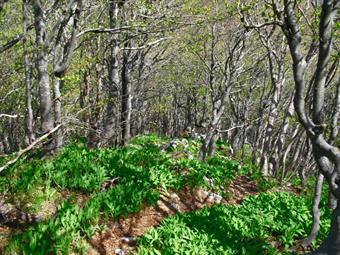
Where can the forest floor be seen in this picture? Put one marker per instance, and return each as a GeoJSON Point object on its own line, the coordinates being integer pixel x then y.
{"type": "Point", "coordinates": [122, 233]}
{"type": "Point", "coordinates": [153, 197]}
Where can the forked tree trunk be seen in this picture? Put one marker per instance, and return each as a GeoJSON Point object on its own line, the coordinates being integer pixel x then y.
{"type": "Point", "coordinates": [326, 156]}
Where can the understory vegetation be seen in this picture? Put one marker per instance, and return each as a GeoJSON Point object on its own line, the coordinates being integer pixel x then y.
{"type": "Point", "coordinates": [148, 127]}
{"type": "Point", "coordinates": [88, 187]}
{"type": "Point", "coordinates": [268, 223]}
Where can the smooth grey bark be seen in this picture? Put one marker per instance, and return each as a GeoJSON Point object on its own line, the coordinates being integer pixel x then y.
{"type": "Point", "coordinates": [336, 115]}
{"type": "Point", "coordinates": [217, 103]}
{"type": "Point", "coordinates": [220, 90]}
{"type": "Point", "coordinates": [277, 76]}
{"type": "Point", "coordinates": [126, 100]}
{"type": "Point", "coordinates": [62, 61]}
{"type": "Point", "coordinates": [332, 201]}
{"type": "Point", "coordinates": [325, 154]}
{"type": "Point", "coordinates": [28, 77]}
{"type": "Point", "coordinates": [94, 138]}
{"type": "Point", "coordinates": [58, 138]}
{"type": "Point", "coordinates": [282, 138]}
{"type": "Point", "coordinates": [315, 211]}
{"type": "Point", "coordinates": [42, 70]}
{"type": "Point", "coordinates": [113, 76]}
{"type": "Point", "coordinates": [60, 65]}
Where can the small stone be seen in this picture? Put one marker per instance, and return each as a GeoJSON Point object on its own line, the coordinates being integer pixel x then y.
{"type": "Point", "coordinates": [212, 197]}
{"type": "Point", "coordinates": [119, 252]}
{"type": "Point", "coordinates": [174, 196]}
{"type": "Point", "coordinates": [128, 239]}
{"type": "Point", "coordinates": [209, 181]}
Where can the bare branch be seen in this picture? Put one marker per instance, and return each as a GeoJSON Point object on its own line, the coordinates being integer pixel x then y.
{"type": "Point", "coordinates": [28, 148]}
{"type": "Point", "coordinates": [328, 14]}
{"type": "Point", "coordinates": [11, 43]}
{"type": "Point", "coordinates": [63, 65]}
{"type": "Point", "coordinates": [150, 44]}
{"type": "Point", "coordinates": [9, 116]}
{"type": "Point", "coordinates": [106, 30]}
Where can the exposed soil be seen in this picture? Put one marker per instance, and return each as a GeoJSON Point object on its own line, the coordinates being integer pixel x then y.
{"type": "Point", "coordinates": [121, 235]}
{"type": "Point", "coordinates": [5, 232]}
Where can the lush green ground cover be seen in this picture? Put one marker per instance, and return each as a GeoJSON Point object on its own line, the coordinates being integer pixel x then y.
{"type": "Point", "coordinates": [142, 170]}
{"type": "Point", "coordinates": [267, 223]}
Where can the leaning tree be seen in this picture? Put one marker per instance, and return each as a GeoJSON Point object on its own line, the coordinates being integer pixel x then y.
{"type": "Point", "coordinates": [312, 118]}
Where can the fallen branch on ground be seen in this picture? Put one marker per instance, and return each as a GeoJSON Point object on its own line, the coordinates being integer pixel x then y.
{"type": "Point", "coordinates": [8, 116]}
{"type": "Point", "coordinates": [28, 148]}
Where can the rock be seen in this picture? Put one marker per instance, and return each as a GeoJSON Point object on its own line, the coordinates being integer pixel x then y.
{"type": "Point", "coordinates": [213, 198]}
{"type": "Point", "coordinates": [13, 216]}
{"type": "Point", "coordinates": [119, 252]}
{"type": "Point", "coordinates": [128, 240]}
{"type": "Point", "coordinates": [184, 142]}
{"type": "Point", "coordinates": [109, 184]}
{"type": "Point", "coordinates": [209, 181]}
{"type": "Point", "coordinates": [209, 197]}
{"type": "Point", "coordinates": [174, 196]}
{"type": "Point", "coordinates": [173, 144]}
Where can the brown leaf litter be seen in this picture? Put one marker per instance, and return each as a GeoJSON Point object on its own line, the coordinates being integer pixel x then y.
{"type": "Point", "coordinates": [120, 237]}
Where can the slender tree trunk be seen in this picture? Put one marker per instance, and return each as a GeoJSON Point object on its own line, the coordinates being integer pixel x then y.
{"type": "Point", "coordinates": [277, 80]}
{"type": "Point", "coordinates": [207, 147]}
{"type": "Point", "coordinates": [114, 79]}
{"type": "Point", "coordinates": [28, 77]}
{"type": "Point", "coordinates": [315, 212]}
{"type": "Point", "coordinates": [126, 100]}
{"type": "Point", "coordinates": [331, 246]}
{"type": "Point", "coordinates": [58, 141]}
{"type": "Point", "coordinates": [94, 137]}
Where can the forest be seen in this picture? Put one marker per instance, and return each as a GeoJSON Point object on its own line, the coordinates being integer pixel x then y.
{"type": "Point", "coordinates": [149, 127]}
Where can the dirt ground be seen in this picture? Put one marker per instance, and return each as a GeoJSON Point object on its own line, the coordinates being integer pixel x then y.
{"type": "Point", "coordinates": [120, 237]}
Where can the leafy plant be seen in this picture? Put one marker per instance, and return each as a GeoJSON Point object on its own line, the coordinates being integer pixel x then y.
{"type": "Point", "coordinates": [251, 228]}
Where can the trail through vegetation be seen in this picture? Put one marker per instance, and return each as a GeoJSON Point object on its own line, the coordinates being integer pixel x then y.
{"type": "Point", "coordinates": [151, 127]}
{"type": "Point", "coordinates": [106, 201]}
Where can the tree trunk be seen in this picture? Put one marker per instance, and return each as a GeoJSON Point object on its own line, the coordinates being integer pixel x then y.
{"type": "Point", "coordinates": [58, 141]}
{"type": "Point", "coordinates": [42, 70]}
{"type": "Point", "coordinates": [315, 212]}
{"type": "Point", "coordinates": [126, 100]}
{"type": "Point", "coordinates": [331, 246]}
{"type": "Point", "coordinates": [28, 78]}
{"type": "Point", "coordinates": [114, 80]}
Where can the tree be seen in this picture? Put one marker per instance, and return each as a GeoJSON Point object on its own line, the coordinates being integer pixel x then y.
{"type": "Point", "coordinates": [327, 156]}
{"type": "Point", "coordinates": [62, 59]}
